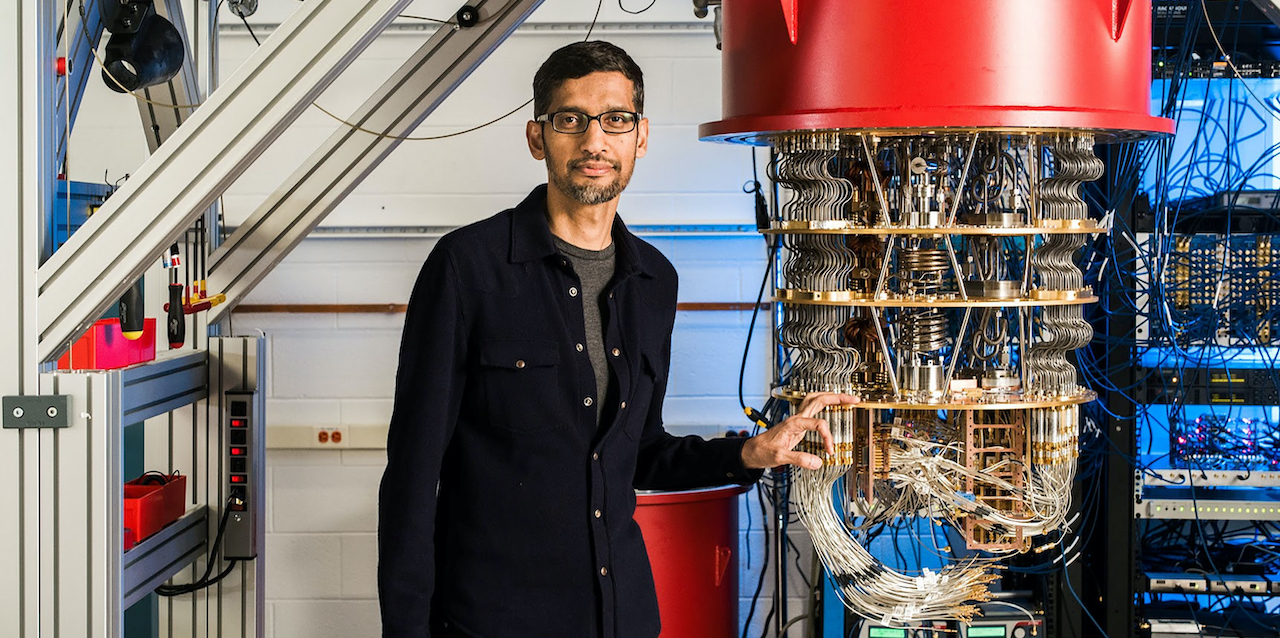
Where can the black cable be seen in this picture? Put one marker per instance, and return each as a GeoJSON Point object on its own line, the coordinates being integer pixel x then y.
{"type": "Point", "coordinates": [764, 566]}
{"type": "Point", "coordinates": [424, 18]}
{"type": "Point", "coordinates": [251, 33]}
{"type": "Point", "coordinates": [205, 580]}
{"type": "Point", "coordinates": [636, 13]}
{"type": "Point", "coordinates": [762, 217]}
{"type": "Point", "coordinates": [590, 29]}
{"type": "Point", "coordinates": [799, 566]}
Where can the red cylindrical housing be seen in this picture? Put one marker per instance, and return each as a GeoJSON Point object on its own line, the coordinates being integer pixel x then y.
{"type": "Point", "coordinates": [906, 64]}
{"type": "Point", "coordinates": [692, 539]}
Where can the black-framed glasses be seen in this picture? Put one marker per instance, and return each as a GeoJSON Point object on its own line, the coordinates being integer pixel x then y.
{"type": "Point", "coordinates": [574, 122]}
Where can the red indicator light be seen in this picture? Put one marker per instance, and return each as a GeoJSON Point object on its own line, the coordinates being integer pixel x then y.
{"type": "Point", "coordinates": [237, 478]}
{"type": "Point", "coordinates": [238, 423]}
{"type": "Point", "coordinates": [237, 451]}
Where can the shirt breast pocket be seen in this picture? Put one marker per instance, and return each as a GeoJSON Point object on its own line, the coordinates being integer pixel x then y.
{"type": "Point", "coordinates": [521, 383]}
{"type": "Point", "coordinates": [638, 403]}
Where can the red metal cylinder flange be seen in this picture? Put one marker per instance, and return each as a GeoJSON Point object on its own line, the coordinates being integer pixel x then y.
{"type": "Point", "coordinates": [908, 64]}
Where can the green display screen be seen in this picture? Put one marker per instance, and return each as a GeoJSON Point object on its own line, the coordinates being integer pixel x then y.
{"type": "Point", "coordinates": [987, 631]}
{"type": "Point", "coordinates": [887, 632]}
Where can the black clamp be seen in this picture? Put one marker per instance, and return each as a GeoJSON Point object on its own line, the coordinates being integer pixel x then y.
{"type": "Point", "coordinates": [468, 16]}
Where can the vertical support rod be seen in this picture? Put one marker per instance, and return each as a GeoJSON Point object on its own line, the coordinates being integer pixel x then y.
{"type": "Point", "coordinates": [884, 348]}
{"type": "Point", "coordinates": [955, 351]}
{"type": "Point", "coordinates": [27, 33]}
{"type": "Point", "coordinates": [781, 499]}
{"type": "Point", "coordinates": [875, 179]}
{"type": "Point", "coordinates": [1119, 557]}
{"type": "Point", "coordinates": [955, 266]}
{"type": "Point", "coordinates": [968, 159]}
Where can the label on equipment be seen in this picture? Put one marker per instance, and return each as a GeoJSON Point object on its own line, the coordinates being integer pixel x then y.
{"type": "Point", "coordinates": [887, 632]}
{"type": "Point", "coordinates": [986, 631]}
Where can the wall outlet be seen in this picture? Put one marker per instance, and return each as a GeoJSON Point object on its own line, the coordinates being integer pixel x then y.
{"type": "Point", "coordinates": [330, 437]}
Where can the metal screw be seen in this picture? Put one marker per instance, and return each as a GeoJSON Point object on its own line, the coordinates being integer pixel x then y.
{"type": "Point", "coordinates": [52, 412]}
{"type": "Point", "coordinates": [17, 413]}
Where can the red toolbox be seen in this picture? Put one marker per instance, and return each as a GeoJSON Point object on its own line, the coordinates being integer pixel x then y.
{"type": "Point", "coordinates": [103, 347]}
{"type": "Point", "coordinates": [152, 501]}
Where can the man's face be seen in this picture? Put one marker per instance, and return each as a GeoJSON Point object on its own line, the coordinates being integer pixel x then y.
{"type": "Point", "coordinates": [591, 167]}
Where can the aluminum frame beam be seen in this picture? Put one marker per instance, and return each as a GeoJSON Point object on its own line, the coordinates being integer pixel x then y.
{"type": "Point", "coordinates": [197, 164]}
{"type": "Point", "coordinates": [335, 169]}
{"type": "Point", "coordinates": [82, 578]}
{"type": "Point", "coordinates": [27, 29]}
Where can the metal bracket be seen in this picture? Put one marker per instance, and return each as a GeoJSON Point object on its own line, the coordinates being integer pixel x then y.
{"type": "Point", "coordinates": [36, 411]}
{"type": "Point", "coordinates": [1269, 8]}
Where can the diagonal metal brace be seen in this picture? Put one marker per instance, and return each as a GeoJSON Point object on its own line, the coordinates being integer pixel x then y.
{"type": "Point", "coordinates": [1269, 8]}
{"type": "Point", "coordinates": [349, 155]}
{"type": "Point", "coordinates": [201, 160]}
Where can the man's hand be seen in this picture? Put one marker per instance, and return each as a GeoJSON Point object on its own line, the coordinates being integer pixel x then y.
{"type": "Point", "coordinates": [776, 446]}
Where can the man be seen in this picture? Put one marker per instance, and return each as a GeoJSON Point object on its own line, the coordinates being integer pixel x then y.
{"type": "Point", "coordinates": [529, 395]}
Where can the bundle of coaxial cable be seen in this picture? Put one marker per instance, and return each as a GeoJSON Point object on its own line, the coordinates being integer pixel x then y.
{"type": "Point", "coordinates": [870, 282]}
{"type": "Point", "coordinates": [867, 585]}
{"type": "Point", "coordinates": [1062, 329]}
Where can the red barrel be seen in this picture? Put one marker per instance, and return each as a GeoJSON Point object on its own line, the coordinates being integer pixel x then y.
{"type": "Point", "coordinates": [893, 64]}
{"type": "Point", "coordinates": [692, 538]}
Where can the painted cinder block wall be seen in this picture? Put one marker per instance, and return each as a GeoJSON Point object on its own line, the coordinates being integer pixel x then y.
{"type": "Point", "coordinates": [337, 370]}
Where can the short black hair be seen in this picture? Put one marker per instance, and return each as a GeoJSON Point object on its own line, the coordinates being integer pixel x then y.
{"type": "Point", "coordinates": [581, 59]}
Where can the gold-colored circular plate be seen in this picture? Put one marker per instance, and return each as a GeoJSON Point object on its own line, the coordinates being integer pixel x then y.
{"type": "Point", "coordinates": [840, 227]}
{"type": "Point", "coordinates": [1026, 403]}
{"type": "Point", "coordinates": [850, 298]}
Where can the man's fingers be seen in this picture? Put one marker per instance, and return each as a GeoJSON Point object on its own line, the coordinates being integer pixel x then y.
{"type": "Point", "coordinates": [802, 459]}
{"type": "Point", "coordinates": [819, 401]}
{"type": "Point", "coordinates": [807, 423]}
{"type": "Point", "coordinates": [828, 441]}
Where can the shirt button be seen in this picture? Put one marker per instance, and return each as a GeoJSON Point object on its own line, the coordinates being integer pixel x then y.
{"type": "Point", "coordinates": [611, 295]}
{"type": "Point", "coordinates": [595, 456]}
{"type": "Point", "coordinates": [729, 474]}
{"type": "Point", "coordinates": [599, 513]}
{"type": "Point", "coordinates": [604, 571]}
{"type": "Point", "coordinates": [616, 352]}
{"type": "Point", "coordinates": [579, 347]}
{"type": "Point", "coordinates": [587, 402]}
{"type": "Point", "coordinates": [573, 292]}
{"type": "Point", "coordinates": [519, 363]}
{"type": "Point", "coordinates": [624, 405]}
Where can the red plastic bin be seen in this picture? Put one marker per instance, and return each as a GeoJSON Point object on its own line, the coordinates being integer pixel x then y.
{"type": "Point", "coordinates": [692, 539]}
{"type": "Point", "coordinates": [150, 505]}
{"type": "Point", "coordinates": [103, 347]}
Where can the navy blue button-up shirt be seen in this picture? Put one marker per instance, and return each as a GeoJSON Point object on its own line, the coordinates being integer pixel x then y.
{"type": "Point", "coordinates": [530, 531]}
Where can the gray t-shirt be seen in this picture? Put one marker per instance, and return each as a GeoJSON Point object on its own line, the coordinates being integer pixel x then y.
{"type": "Point", "coordinates": [595, 270]}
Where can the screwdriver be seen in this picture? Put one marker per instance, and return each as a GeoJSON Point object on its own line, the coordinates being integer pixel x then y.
{"type": "Point", "coordinates": [132, 315]}
{"type": "Point", "coordinates": [177, 324]}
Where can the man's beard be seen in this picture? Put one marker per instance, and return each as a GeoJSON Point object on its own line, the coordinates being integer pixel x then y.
{"type": "Point", "coordinates": [591, 193]}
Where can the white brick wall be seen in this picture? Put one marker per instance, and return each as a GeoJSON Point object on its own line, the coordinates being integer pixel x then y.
{"type": "Point", "coordinates": [338, 370]}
